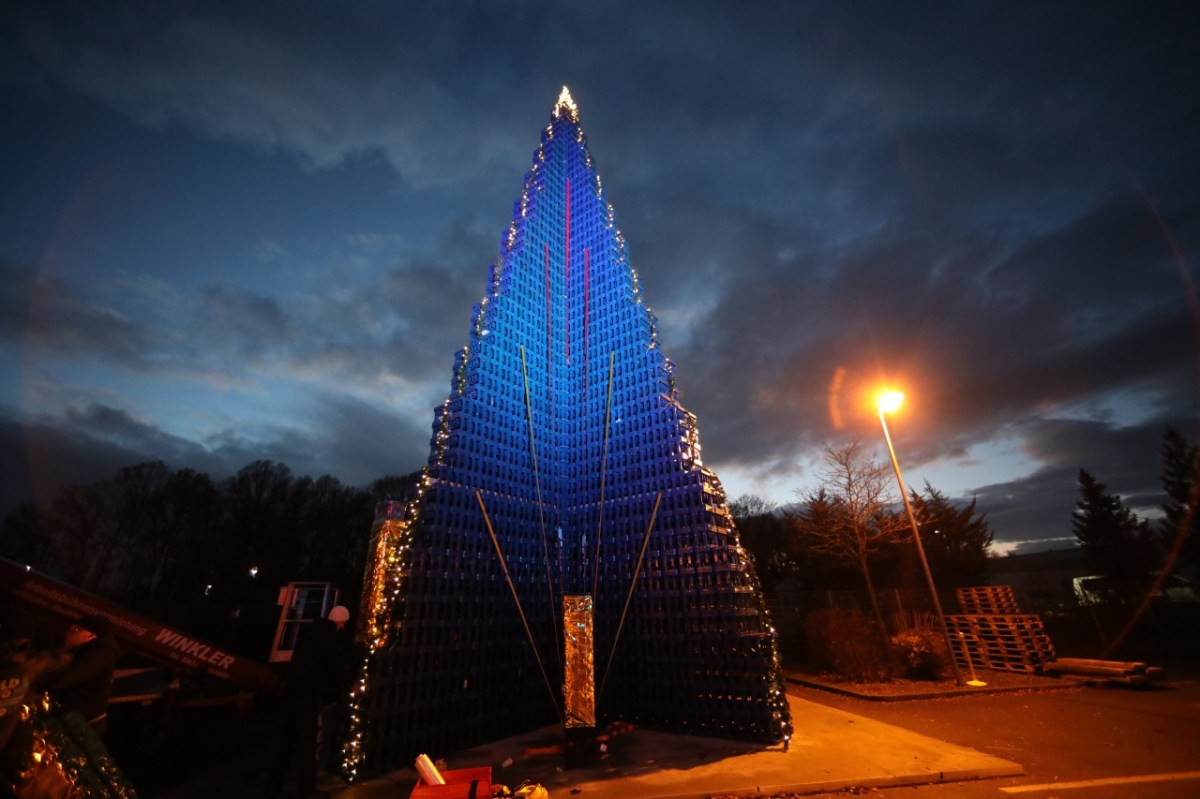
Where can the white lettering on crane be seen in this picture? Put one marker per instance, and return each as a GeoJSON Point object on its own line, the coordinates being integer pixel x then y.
{"type": "Point", "coordinates": [197, 649]}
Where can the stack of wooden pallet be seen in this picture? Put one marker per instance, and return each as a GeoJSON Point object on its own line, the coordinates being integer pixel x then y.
{"type": "Point", "coordinates": [993, 634]}
{"type": "Point", "coordinates": [989, 599]}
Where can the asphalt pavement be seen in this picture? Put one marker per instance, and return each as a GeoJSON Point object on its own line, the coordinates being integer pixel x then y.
{"type": "Point", "coordinates": [1092, 742]}
{"type": "Point", "coordinates": [831, 750]}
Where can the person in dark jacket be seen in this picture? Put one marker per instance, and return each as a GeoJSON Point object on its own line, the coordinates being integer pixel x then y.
{"type": "Point", "coordinates": [315, 676]}
{"type": "Point", "coordinates": [84, 682]}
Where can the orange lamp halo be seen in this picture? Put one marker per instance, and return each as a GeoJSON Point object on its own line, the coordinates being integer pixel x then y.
{"type": "Point", "coordinates": [889, 401]}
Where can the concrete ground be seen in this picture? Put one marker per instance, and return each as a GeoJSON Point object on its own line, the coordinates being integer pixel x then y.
{"type": "Point", "coordinates": [831, 750]}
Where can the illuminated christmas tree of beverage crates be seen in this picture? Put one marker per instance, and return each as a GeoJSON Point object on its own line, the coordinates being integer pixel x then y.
{"type": "Point", "coordinates": [562, 446]}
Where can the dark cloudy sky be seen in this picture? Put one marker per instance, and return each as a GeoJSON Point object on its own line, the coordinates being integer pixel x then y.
{"type": "Point", "coordinates": [232, 231]}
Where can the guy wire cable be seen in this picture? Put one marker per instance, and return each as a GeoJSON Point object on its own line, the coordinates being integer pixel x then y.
{"type": "Point", "coordinates": [629, 597]}
{"type": "Point", "coordinates": [612, 357]}
{"type": "Point", "coordinates": [537, 478]}
{"type": "Point", "coordinates": [521, 611]}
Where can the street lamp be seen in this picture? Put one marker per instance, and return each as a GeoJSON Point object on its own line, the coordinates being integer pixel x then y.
{"type": "Point", "coordinates": [887, 402]}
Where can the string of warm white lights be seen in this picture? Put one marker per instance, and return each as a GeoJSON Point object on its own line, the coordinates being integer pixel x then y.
{"type": "Point", "coordinates": [384, 584]}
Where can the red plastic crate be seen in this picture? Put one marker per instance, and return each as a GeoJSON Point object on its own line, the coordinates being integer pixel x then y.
{"type": "Point", "coordinates": [461, 783]}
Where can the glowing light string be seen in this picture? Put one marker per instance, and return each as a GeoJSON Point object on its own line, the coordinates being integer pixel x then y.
{"type": "Point", "coordinates": [566, 105]}
{"type": "Point", "coordinates": [390, 551]}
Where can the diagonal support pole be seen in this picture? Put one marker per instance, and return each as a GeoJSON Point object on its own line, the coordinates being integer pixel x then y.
{"type": "Point", "coordinates": [629, 597]}
{"type": "Point", "coordinates": [508, 578]}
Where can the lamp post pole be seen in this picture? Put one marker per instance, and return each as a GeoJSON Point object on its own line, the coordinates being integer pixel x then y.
{"type": "Point", "coordinates": [912, 519]}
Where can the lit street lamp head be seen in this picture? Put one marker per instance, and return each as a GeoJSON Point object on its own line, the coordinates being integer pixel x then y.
{"type": "Point", "coordinates": [889, 401]}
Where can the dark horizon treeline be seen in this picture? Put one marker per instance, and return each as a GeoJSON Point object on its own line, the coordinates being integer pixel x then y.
{"type": "Point", "coordinates": [1124, 549]}
{"type": "Point", "coordinates": [208, 556]}
{"type": "Point", "coordinates": [181, 548]}
{"type": "Point", "coordinates": [957, 542]}
{"type": "Point", "coordinates": [1127, 550]}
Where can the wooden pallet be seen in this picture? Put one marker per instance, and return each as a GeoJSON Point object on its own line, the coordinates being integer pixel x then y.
{"type": "Point", "coordinates": [1003, 641]}
{"type": "Point", "coordinates": [993, 599]}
